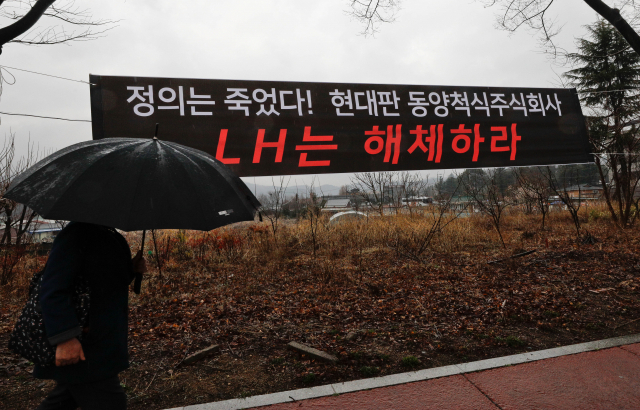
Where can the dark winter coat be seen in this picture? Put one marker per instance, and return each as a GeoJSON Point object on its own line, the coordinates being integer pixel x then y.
{"type": "Point", "coordinates": [103, 257]}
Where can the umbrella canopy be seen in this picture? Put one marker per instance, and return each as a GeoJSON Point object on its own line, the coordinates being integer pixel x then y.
{"type": "Point", "coordinates": [135, 184]}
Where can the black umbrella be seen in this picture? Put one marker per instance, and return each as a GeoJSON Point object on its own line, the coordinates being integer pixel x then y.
{"type": "Point", "coordinates": [135, 184]}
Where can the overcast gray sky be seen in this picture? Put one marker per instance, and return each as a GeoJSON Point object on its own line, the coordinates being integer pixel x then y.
{"type": "Point", "coordinates": [447, 42]}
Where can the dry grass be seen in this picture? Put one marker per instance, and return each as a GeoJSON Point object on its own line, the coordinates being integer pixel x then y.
{"type": "Point", "coordinates": [252, 293]}
{"type": "Point", "coordinates": [341, 249]}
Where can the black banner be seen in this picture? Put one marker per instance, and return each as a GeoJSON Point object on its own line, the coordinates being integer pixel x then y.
{"type": "Point", "coordinates": [286, 128]}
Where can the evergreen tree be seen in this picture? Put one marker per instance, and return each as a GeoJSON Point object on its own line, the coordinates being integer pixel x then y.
{"type": "Point", "coordinates": [607, 74]}
{"type": "Point", "coordinates": [505, 179]}
{"type": "Point", "coordinates": [473, 179]}
{"type": "Point", "coordinates": [447, 187]}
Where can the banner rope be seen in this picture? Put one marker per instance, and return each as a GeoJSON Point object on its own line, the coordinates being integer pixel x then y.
{"type": "Point", "coordinates": [41, 116]}
{"type": "Point", "coordinates": [614, 153]}
{"type": "Point", "coordinates": [608, 91]}
{"type": "Point", "coordinates": [47, 75]}
{"type": "Point", "coordinates": [86, 82]}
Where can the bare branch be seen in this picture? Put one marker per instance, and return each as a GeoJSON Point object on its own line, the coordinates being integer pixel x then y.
{"type": "Point", "coordinates": [27, 13]}
{"type": "Point", "coordinates": [25, 23]}
{"type": "Point", "coordinates": [373, 12]}
{"type": "Point", "coordinates": [373, 186]}
{"type": "Point", "coordinates": [272, 204]}
{"type": "Point", "coordinates": [57, 35]}
{"type": "Point", "coordinates": [613, 16]}
{"type": "Point", "coordinates": [484, 190]}
{"type": "Point", "coordinates": [16, 219]}
{"type": "Point", "coordinates": [514, 15]}
{"type": "Point", "coordinates": [533, 14]}
{"type": "Point", "coordinates": [558, 186]}
{"type": "Point", "coordinates": [73, 15]}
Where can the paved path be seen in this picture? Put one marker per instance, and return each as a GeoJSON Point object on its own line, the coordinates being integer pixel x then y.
{"type": "Point", "coordinates": [607, 379]}
{"type": "Point", "coordinates": [595, 375]}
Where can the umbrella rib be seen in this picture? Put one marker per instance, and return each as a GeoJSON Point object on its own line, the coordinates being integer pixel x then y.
{"type": "Point", "coordinates": [173, 152]}
{"type": "Point", "coordinates": [223, 170]}
{"type": "Point", "coordinates": [136, 189]}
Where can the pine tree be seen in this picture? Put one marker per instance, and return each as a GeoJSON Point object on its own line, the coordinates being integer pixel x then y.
{"type": "Point", "coordinates": [607, 75]}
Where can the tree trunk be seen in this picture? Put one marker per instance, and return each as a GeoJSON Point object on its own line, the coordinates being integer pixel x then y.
{"type": "Point", "coordinates": [606, 192]}
{"type": "Point", "coordinates": [543, 210]}
{"type": "Point", "coordinates": [613, 16]}
{"type": "Point", "coordinates": [6, 237]}
{"type": "Point", "coordinates": [25, 23]}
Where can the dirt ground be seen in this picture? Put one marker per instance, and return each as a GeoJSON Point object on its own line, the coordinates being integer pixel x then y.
{"type": "Point", "coordinates": [455, 307]}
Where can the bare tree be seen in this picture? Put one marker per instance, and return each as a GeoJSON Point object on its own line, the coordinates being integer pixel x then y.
{"type": "Point", "coordinates": [16, 218]}
{"type": "Point", "coordinates": [514, 15]}
{"type": "Point", "coordinates": [372, 187]}
{"type": "Point", "coordinates": [559, 186]}
{"type": "Point", "coordinates": [620, 194]}
{"type": "Point", "coordinates": [272, 203]}
{"type": "Point", "coordinates": [373, 12]}
{"type": "Point", "coordinates": [413, 241]}
{"type": "Point", "coordinates": [534, 14]}
{"type": "Point", "coordinates": [312, 214]}
{"type": "Point", "coordinates": [407, 185]}
{"type": "Point", "coordinates": [64, 22]}
{"type": "Point", "coordinates": [484, 189]}
{"type": "Point", "coordinates": [397, 190]}
{"type": "Point", "coordinates": [296, 203]}
{"type": "Point", "coordinates": [535, 189]}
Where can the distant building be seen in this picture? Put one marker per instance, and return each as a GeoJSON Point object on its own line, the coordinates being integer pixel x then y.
{"type": "Point", "coordinates": [37, 231]}
{"type": "Point", "coordinates": [337, 204]}
{"type": "Point", "coordinates": [585, 192]}
{"type": "Point", "coordinates": [44, 231]}
{"type": "Point", "coordinates": [417, 201]}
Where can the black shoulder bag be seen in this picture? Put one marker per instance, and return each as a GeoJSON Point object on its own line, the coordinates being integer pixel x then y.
{"type": "Point", "coordinates": [29, 338]}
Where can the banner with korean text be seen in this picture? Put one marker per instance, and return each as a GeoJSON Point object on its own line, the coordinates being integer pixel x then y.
{"type": "Point", "coordinates": [286, 128]}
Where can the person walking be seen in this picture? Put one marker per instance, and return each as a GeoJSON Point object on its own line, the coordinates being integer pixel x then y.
{"type": "Point", "coordinates": [86, 370]}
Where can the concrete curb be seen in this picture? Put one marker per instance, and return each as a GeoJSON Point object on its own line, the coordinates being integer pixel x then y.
{"type": "Point", "coordinates": [401, 378]}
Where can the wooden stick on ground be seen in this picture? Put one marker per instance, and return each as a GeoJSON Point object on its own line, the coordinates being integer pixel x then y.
{"type": "Point", "coordinates": [513, 256]}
